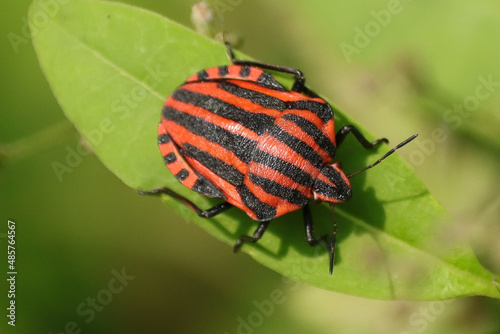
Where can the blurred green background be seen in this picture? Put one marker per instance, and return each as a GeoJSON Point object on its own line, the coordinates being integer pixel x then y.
{"type": "Point", "coordinates": [399, 67]}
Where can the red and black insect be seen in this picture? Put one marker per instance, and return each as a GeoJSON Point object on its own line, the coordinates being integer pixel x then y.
{"type": "Point", "coordinates": [234, 132]}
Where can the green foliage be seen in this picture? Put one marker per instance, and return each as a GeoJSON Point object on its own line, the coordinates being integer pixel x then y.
{"type": "Point", "coordinates": [111, 66]}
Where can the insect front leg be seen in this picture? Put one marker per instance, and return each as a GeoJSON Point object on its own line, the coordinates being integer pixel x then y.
{"type": "Point", "coordinates": [329, 241]}
{"type": "Point", "coordinates": [219, 208]}
{"type": "Point", "coordinates": [346, 129]}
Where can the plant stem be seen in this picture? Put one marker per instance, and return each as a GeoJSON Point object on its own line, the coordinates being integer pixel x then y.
{"type": "Point", "coordinates": [28, 145]}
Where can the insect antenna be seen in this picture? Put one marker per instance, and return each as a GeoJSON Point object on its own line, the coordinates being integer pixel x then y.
{"type": "Point", "coordinates": [332, 240]}
{"type": "Point", "coordinates": [403, 143]}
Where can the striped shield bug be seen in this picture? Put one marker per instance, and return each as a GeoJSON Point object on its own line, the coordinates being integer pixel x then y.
{"type": "Point", "coordinates": [234, 132]}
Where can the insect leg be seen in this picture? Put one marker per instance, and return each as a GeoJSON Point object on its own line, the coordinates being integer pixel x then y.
{"type": "Point", "coordinates": [202, 213]}
{"type": "Point", "coordinates": [308, 223]}
{"type": "Point", "coordinates": [298, 85]}
{"type": "Point", "coordinates": [313, 241]}
{"type": "Point", "coordinates": [254, 238]}
{"type": "Point", "coordinates": [346, 129]}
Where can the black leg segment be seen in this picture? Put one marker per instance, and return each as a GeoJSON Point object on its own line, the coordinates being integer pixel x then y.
{"type": "Point", "coordinates": [346, 129]}
{"type": "Point", "coordinates": [328, 241]}
{"type": "Point", "coordinates": [254, 238]}
{"type": "Point", "coordinates": [202, 213]}
{"type": "Point", "coordinates": [308, 224]}
{"type": "Point", "coordinates": [298, 85]}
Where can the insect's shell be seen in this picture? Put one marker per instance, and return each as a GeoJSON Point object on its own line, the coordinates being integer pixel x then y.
{"type": "Point", "coordinates": [234, 132]}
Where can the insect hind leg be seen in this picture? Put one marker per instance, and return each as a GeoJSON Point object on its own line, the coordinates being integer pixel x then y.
{"type": "Point", "coordinates": [219, 208]}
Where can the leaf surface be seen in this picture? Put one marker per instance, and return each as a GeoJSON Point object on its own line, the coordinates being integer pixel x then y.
{"type": "Point", "coordinates": [111, 66]}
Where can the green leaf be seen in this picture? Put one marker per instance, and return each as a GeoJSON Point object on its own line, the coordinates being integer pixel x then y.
{"type": "Point", "coordinates": [111, 66]}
